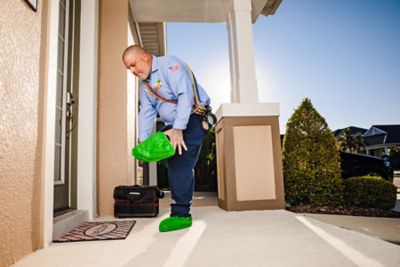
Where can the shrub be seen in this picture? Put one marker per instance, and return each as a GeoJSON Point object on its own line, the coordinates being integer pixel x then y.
{"type": "Point", "coordinates": [311, 162]}
{"type": "Point", "coordinates": [206, 167]}
{"type": "Point", "coordinates": [370, 191]}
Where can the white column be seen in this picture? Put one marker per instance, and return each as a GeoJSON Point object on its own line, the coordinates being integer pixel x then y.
{"type": "Point", "coordinates": [86, 179]}
{"type": "Point", "coordinates": [52, 47]}
{"type": "Point", "coordinates": [241, 53]}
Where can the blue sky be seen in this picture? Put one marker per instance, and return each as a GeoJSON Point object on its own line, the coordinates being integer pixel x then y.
{"type": "Point", "coordinates": [344, 55]}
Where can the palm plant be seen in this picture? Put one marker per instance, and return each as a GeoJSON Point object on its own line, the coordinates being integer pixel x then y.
{"type": "Point", "coordinates": [346, 142]}
{"type": "Point", "coordinates": [358, 142]}
{"type": "Point", "coordinates": [350, 143]}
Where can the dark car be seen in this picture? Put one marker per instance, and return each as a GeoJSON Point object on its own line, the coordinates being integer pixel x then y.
{"type": "Point", "coordinates": [360, 165]}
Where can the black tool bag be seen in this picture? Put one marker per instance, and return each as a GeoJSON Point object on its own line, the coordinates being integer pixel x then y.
{"type": "Point", "coordinates": [136, 201]}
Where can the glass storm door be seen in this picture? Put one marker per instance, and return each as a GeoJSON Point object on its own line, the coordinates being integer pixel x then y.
{"type": "Point", "coordinates": [65, 124]}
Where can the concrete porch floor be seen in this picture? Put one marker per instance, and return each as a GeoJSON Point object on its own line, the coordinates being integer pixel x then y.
{"type": "Point", "coordinates": [220, 238]}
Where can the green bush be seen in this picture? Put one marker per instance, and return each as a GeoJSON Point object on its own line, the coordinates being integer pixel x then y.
{"type": "Point", "coordinates": [206, 167]}
{"type": "Point", "coordinates": [311, 162]}
{"type": "Point", "coordinates": [370, 191]}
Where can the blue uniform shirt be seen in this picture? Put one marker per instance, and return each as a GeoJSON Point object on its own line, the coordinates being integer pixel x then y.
{"type": "Point", "coordinates": [171, 79]}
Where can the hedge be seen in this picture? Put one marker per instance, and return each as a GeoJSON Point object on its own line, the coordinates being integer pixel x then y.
{"type": "Point", "coordinates": [370, 192]}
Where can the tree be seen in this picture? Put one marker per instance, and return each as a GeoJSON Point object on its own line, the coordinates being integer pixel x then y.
{"type": "Point", "coordinates": [311, 162]}
{"type": "Point", "coordinates": [346, 141]}
{"type": "Point", "coordinates": [358, 142]}
{"type": "Point", "coordinates": [351, 143]}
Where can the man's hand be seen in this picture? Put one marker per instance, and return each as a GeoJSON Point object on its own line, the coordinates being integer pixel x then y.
{"type": "Point", "coordinates": [176, 139]}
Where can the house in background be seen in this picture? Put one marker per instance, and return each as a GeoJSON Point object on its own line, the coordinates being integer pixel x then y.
{"type": "Point", "coordinates": [353, 131]}
{"type": "Point", "coordinates": [379, 139]}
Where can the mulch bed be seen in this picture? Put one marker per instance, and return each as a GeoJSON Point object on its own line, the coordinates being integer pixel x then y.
{"type": "Point", "coordinates": [341, 210]}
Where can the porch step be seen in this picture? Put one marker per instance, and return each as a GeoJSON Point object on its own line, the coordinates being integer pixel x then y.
{"type": "Point", "coordinates": [66, 222]}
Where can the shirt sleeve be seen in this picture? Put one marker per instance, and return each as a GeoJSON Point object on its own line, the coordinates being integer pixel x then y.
{"type": "Point", "coordinates": [147, 115]}
{"type": "Point", "coordinates": [204, 98]}
{"type": "Point", "coordinates": [181, 83]}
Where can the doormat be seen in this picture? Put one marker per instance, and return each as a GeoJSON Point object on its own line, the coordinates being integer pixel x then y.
{"type": "Point", "coordinates": [92, 231]}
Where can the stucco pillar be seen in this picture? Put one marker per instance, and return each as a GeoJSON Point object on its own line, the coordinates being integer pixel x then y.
{"type": "Point", "coordinates": [247, 133]}
{"type": "Point", "coordinates": [241, 53]}
{"type": "Point", "coordinates": [112, 127]}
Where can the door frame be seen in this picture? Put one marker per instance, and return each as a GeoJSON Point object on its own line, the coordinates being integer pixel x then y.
{"type": "Point", "coordinates": [86, 154]}
{"type": "Point", "coordinates": [64, 184]}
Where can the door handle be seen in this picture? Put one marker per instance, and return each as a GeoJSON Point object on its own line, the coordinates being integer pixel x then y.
{"type": "Point", "coordinates": [69, 113]}
{"type": "Point", "coordinates": [70, 98]}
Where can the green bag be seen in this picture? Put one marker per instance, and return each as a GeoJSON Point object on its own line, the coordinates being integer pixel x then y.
{"type": "Point", "coordinates": [155, 148]}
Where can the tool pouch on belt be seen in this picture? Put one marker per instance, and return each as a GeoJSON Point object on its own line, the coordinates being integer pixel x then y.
{"type": "Point", "coordinates": [136, 201]}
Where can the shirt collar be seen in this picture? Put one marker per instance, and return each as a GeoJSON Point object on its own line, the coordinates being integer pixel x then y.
{"type": "Point", "coordinates": [155, 65]}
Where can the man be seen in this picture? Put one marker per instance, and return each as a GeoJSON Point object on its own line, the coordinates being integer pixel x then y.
{"type": "Point", "coordinates": [166, 88]}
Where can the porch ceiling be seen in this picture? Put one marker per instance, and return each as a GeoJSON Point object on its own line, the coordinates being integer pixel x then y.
{"type": "Point", "coordinates": [194, 10]}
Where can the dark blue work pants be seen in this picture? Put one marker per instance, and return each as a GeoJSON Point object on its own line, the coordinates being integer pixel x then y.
{"type": "Point", "coordinates": [181, 168]}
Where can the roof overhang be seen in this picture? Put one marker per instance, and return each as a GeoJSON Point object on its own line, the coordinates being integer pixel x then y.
{"type": "Point", "coordinates": [194, 10]}
{"type": "Point", "coordinates": [147, 17]}
{"type": "Point", "coordinates": [270, 7]}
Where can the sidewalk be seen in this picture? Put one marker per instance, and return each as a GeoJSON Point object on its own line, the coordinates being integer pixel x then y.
{"type": "Point", "coordinates": [220, 238]}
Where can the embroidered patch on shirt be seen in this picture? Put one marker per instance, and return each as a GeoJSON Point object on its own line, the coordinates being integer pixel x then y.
{"type": "Point", "coordinates": [174, 68]}
{"type": "Point", "coordinates": [157, 84]}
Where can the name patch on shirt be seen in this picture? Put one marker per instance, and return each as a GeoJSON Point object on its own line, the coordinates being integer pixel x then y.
{"type": "Point", "coordinates": [173, 68]}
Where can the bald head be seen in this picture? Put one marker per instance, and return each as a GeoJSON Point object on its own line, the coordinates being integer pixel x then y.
{"type": "Point", "coordinates": [138, 61]}
{"type": "Point", "coordinates": [134, 51]}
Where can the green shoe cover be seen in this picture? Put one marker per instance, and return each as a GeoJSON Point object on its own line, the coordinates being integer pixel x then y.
{"type": "Point", "coordinates": [175, 223]}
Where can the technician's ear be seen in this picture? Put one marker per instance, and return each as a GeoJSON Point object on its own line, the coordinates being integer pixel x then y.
{"type": "Point", "coordinates": [145, 57]}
